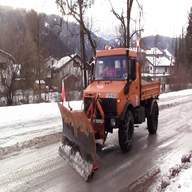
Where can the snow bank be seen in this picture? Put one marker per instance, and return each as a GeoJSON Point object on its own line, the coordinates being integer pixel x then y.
{"type": "Point", "coordinates": [32, 112]}
{"type": "Point", "coordinates": [75, 105]}
{"type": "Point", "coordinates": [24, 113]}
{"type": "Point", "coordinates": [171, 99]}
{"type": "Point", "coordinates": [37, 141]}
{"type": "Point", "coordinates": [25, 122]}
{"type": "Point", "coordinates": [183, 183]}
{"type": "Point", "coordinates": [176, 94]}
{"type": "Point", "coordinates": [27, 125]}
{"type": "Point", "coordinates": [178, 178]}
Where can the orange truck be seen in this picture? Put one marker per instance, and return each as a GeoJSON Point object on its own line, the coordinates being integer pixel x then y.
{"type": "Point", "coordinates": [116, 98]}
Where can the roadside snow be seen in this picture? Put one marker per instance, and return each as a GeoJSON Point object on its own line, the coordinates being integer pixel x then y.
{"type": "Point", "coordinates": [171, 99]}
{"type": "Point", "coordinates": [24, 122]}
{"type": "Point", "coordinates": [75, 105]}
{"type": "Point", "coordinates": [176, 94]}
{"type": "Point", "coordinates": [176, 178]}
{"type": "Point", "coordinates": [183, 183]}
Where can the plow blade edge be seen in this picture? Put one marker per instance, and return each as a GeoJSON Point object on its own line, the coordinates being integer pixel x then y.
{"type": "Point", "coordinates": [78, 142]}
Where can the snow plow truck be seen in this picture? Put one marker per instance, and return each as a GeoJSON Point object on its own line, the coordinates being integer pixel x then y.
{"type": "Point", "coordinates": [116, 98]}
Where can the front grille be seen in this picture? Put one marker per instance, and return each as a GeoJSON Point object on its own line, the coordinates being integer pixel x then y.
{"type": "Point", "coordinates": [108, 105]}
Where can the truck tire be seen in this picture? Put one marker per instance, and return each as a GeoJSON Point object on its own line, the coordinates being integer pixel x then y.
{"type": "Point", "coordinates": [152, 118]}
{"type": "Point", "coordinates": [126, 132]}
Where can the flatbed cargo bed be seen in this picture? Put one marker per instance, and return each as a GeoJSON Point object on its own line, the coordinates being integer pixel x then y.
{"type": "Point", "coordinates": [149, 89]}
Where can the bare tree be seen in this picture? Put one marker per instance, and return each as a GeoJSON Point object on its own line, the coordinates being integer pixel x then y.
{"type": "Point", "coordinates": [77, 9]}
{"type": "Point", "coordinates": [16, 40]}
{"type": "Point", "coordinates": [124, 22]}
{"type": "Point", "coordinates": [8, 75]}
{"type": "Point", "coordinates": [35, 29]}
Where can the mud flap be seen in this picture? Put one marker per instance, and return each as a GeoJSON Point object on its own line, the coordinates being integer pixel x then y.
{"type": "Point", "coordinates": [78, 142]}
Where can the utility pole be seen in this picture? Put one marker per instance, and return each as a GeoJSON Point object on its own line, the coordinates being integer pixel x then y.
{"type": "Point", "coordinates": [128, 23]}
{"type": "Point", "coordinates": [39, 60]}
{"type": "Point", "coordinates": [82, 45]}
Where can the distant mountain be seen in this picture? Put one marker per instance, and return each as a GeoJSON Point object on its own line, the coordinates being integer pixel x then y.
{"type": "Point", "coordinates": [64, 39]}
{"type": "Point", "coordinates": [159, 41]}
{"type": "Point", "coordinates": [148, 42]}
{"type": "Point", "coordinates": [58, 37]}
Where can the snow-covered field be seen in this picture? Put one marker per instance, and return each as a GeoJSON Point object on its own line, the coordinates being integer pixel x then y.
{"type": "Point", "coordinates": [22, 123]}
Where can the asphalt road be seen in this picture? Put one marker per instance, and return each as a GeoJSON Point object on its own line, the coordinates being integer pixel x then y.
{"type": "Point", "coordinates": [43, 170]}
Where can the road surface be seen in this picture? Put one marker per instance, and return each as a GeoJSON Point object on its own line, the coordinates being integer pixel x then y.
{"type": "Point", "coordinates": [43, 170]}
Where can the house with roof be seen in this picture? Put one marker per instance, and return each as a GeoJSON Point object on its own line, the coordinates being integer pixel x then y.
{"type": "Point", "coordinates": [70, 70]}
{"type": "Point", "coordinates": [48, 66]}
{"type": "Point", "coordinates": [158, 65]}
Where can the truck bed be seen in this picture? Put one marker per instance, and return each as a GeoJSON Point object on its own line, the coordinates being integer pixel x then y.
{"type": "Point", "coordinates": [149, 89]}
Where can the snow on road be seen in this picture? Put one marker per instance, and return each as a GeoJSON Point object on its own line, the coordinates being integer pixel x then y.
{"type": "Point", "coordinates": [35, 170]}
{"type": "Point", "coordinates": [16, 171]}
{"type": "Point", "coordinates": [26, 122]}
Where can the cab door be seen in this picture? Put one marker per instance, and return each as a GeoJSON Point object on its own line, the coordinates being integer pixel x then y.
{"type": "Point", "coordinates": [134, 82]}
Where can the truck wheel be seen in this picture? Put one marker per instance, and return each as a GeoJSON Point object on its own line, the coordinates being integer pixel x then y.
{"type": "Point", "coordinates": [152, 118]}
{"type": "Point", "coordinates": [126, 132]}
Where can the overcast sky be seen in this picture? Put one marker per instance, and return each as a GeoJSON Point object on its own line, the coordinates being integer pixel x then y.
{"type": "Point", "coordinates": [164, 17]}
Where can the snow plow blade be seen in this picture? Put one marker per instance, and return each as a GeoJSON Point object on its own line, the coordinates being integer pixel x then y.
{"type": "Point", "coordinates": [78, 142]}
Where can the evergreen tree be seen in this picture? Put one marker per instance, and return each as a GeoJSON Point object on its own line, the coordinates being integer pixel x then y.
{"type": "Point", "coordinates": [183, 54]}
{"type": "Point", "coordinates": [188, 41]}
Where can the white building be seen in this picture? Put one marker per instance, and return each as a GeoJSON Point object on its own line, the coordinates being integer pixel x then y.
{"type": "Point", "coordinates": [70, 70]}
{"type": "Point", "coordinates": [158, 65]}
{"type": "Point", "coordinates": [49, 62]}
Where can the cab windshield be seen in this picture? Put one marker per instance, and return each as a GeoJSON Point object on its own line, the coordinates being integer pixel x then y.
{"type": "Point", "coordinates": [111, 68]}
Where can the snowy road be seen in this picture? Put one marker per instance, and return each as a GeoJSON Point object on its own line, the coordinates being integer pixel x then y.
{"type": "Point", "coordinates": [43, 170]}
{"type": "Point", "coordinates": [23, 123]}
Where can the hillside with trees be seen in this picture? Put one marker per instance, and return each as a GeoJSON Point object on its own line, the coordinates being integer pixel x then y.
{"type": "Point", "coordinates": [161, 42]}
{"type": "Point", "coordinates": [31, 37]}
